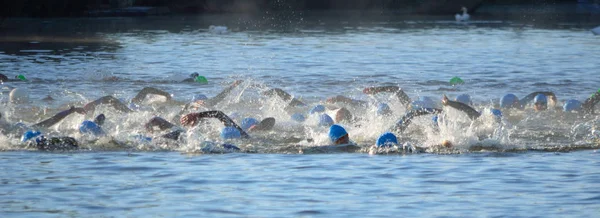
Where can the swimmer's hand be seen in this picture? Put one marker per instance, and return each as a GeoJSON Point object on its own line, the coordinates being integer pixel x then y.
{"type": "Point", "coordinates": [189, 119]}
{"type": "Point", "coordinates": [445, 100]}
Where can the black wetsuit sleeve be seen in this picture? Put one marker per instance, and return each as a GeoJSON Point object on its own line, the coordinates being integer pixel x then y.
{"type": "Point", "coordinates": [224, 119]}
{"type": "Point", "coordinates": [139, 98]}
{"type": "Point", "coordinates": [405, 121]}
{"type": "Point", "coordinates": [472, 113]}
{"type": "Point", "coordinates": [284, 95]}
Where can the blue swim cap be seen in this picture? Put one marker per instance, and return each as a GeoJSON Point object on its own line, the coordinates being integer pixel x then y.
{"type": "Point", "coordinates": [230, 133]}
{"type": "Point", "coordinates": [142, 138]}
{"type": "Point", "coordinates": [317, 109]}
{"type": "Point", "coordinates": [198, 97]}
{"type": "Point", "coordinates": [435, 120]}
{"type": "Point", "coordinates": [248, 122]}
{"type": "Point", "coordinates": [298, 117]}
{"type": "Point", "coordinates": [464, 98]}
{"type": "Point", "coordinates": [89, 127]}
{"type": "Point", "coordinates": [336, 132]}
{"type": "Point", "coordinates": [387, 140]}
{"type": "Point", "coordinates": [383, 109]}
{"type": "Point", "coordinates": [325, 120]}
{"type": "Point", "coordinates": [509, 101]}
{"type": "Point", "coordinates": [572, 105]}
{"type": "Point", "coordinates": [29, 135]}
{"type": "Point", "coordinates": [540, 98]}
{"type": "Point", "coordinates": [497, 113]}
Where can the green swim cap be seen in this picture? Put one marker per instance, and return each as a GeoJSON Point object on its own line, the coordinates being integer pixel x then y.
{"type": "Point", "coordinates": [21, 77]}
{"type": "Point", "coordinates": [456, 80]}
{"type": "Point", "coordinates": [201, 79]}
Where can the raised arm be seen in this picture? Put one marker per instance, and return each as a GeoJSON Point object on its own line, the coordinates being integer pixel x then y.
{"type": "Point", "coordinates": [527, 99]}
{"type": "Point", "coordinates": [192, 119]}
{"type": "Point", "coordinates": [284, 95]}
{"type": "Point", "coordinates": [472, 113]}
{"type": "Point", "coordinates": [139, 98]}
{"type": "Point", "coordinates": [589, 103]}
{"type": "Point", "coordinates": [405, 121]}
{"type": "Point", "coordinates": [116, 103]}
{"type": "Point", "coordinates": [346, 100]}
{"type": "Point", "coordinates": [58, 117]}
{"type": "Point", "coordinates": [400, 94]}
{"type": "Point", "coordinates": [219, 97]}
{"type": "Point", "coordinates": [159, 122]}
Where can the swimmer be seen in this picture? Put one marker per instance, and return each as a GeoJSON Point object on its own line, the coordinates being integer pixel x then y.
{"type": "Point", "coordinates": [7, 128]}
{"type": "Point", "coordinates": [191, 119]}
{"type": "Point", "coordinates": [205, 102]}
{"type": "Point", "coordinates": [400, 94]}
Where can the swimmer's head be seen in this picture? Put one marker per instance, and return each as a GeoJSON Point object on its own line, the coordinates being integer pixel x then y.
{"type": "Point", "coordinates": [194, 75]}
{"type": "Point", "coordinates": [540, 102]}
{"type": "Point", "coordinates": [464, 98]}
{"type": "Point", "coordinates": [317, 109]}
{"type": "Point", "coordinates": [19, 96]}
{"type": "Point", "coordinates": [387, 139]}
{"type": "Point", "coordinates": [298, 117]}
{"type": "Point", "coordinates": [90, 128]}
{"type": "Point", "coordinates": [230, 133]}
{"type": "Point", "coordinates": [248, 122]}
{"type": "Point", "coordinates": [325, 120]}
{"type": "Point", "coordinates": [3, 78]}
{"type": "Point", "coordinates": [343, 114]}
{"type": "Point", "coordinates": [572, 105]}
{"type": "Point", "coordinates": [383, 109]}
{"type": "Point", "coordinates": [434, 119]}
{"type": "Point", "coordinates": [338, 135]}
{"type": "Point", "coordinates": [509, 101]}
{"type": "Point", "coordinates": [30, 135]}
{"type": "Point", "coordinates": [100, 119]}
{"type": "Point", "coordinates": [198, 97]}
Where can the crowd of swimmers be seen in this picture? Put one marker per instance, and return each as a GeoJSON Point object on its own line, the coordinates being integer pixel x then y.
{"type": "Point", "coordinates": [201, 108]}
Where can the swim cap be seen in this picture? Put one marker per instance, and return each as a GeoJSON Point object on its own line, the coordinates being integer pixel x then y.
{"type": "Point", "coordinates": [435, 120]}
{"type": "Point", "coordinates": [19, 95]}
{"type": "Point", "coordinates": [317, 109]}
{"type": "Point", "coordinates": [387, 140]}
{"type": "Point", "coordinates": [383, 109]}
{"type": "Point", "coordinates": [194, 75]}
{"type": "Point", "coordinates": [464, 98]}
{"type": "Point", "coordinates": [230, 133]}
{"type": "Point", "coordinates": [336, 132]}
{"type": "Point", "coordinates": [497, 113]}
{"type": "Point", "coordinates": [325, 120]}
{"type": "Point", "coordinates": [198, 97]}
{"type": "Point", "coordinates": [540, 98]}
{"type": "Point", "coordinates": [248, 122]}
{"type": "Point", "coordinates": [572, 105]}
{"type": "Point", "coordinates": [89, 127]}
{"type": "Point", "coordinates": [509, 101]}
{"type": "Point", "coordinates": [298, 117]}
{"type": "Point", "coordinates": [29, 135]}
{"type": "Point", "coordinates": [142, 138]}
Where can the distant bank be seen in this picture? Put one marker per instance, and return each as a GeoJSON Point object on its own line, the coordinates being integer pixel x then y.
{"type": "Point", "coordinates": [73, 8]}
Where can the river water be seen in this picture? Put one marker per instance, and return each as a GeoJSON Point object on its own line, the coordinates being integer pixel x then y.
{"type": "Point", "coordinates": [530, 165]}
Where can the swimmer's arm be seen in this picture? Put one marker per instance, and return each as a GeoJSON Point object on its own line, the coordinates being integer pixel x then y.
{"type": "Point", "coordinates": [527, 99]}
{"type": "Point", "coordinates": [159, 122]}
{"type": "Point", "coordinates": [284, 95]}
{"type": "Point", "coordinates": [589, 103]}
{"type": "Point", "coordinates": [139, 98]}
{"type": "Point", "coordinates": [219, 97]}
{"type": "Point", "coordinates": [116, 103]}
{"type": "Point", "coordinates": [406, 119]}
{"type": "Point", "coordinates": [346, 100]}
{"type": "Point", "coordinates": [472, 113]}
{"type": "Point", "coordinates": [192, 119]}
{"type": "Point", "coordinates": [400, 94]}
{"type": "Point", "coordinates": [58, 117]}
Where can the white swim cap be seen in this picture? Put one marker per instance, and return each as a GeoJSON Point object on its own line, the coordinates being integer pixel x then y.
{"type": "Point", "coordinates": [19, 95]}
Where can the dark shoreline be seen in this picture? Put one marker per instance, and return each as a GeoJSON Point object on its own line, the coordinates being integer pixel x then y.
{"type": "Point", "coordinates": [103, 8]}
